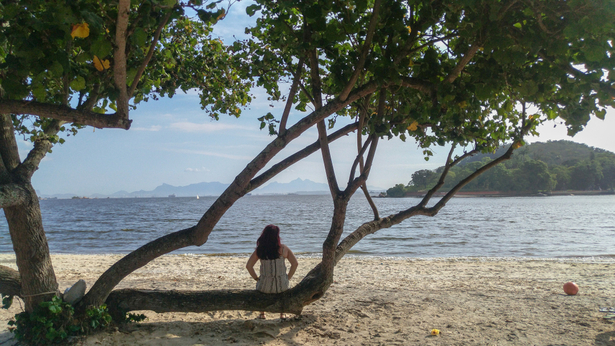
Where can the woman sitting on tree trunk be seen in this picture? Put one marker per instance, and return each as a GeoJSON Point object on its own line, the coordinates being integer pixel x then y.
{"type": "Point", "coordinates": [271, 252]}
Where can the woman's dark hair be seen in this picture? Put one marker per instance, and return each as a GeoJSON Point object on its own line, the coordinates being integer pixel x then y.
{"type": "Point", "coordinates": [268, 244]}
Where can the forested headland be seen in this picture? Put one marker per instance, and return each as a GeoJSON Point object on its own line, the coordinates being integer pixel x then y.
{"type": "Point", "coordinates": [535, 168]}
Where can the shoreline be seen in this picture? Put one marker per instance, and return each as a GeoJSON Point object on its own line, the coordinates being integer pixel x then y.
{"type": "Point", "coordinates": [373, 301]}
{"type": "Point", "coordinates": [309, 255]}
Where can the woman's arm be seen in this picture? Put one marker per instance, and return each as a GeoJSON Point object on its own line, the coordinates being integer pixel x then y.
{"type": "Point", "coordinates": [250, 265]}
{"type": "Point", "coordinates": [293, 263]}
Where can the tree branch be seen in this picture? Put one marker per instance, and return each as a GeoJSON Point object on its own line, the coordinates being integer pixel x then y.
{"type": "Point", "coordinates": [364, 51]}
{"type": "Point", "coordinates": [41, 147]}
{"type": "Point", "coordinates": [442, 202]}
{"type": "Point", "coordinates": [422, 86]}
{"type": "Point", "coordinates": [124, 300]}
{"type": "Point", "coordinates": [289, 161]}
{"type": "Point", "coordinates": [447, 166]}
{"type": "Point", "coordinates": [361, 179]}
{"type": "Point", "coordinates": [8, 146]}
{"type": "Point", "coordinates": [291, 96]}
{"type": "Point", "coordinates": [119, 58]}
{"type": "Point", "coordinates": [65, 113]}
{"type": "Point", "coordinates": [326, 158]}
{"type": "Point", "coordinates": [90, 102]}
{"type": "Point", "coordinates": [149, 55]}
{"type": "Point", "coordinates": [362, 115]}
{"type": "Point", "coordinates": [462, 63]}
{"type": "Point", "coordinates": [359, 159]}
{"type": "Point", "coordinates": [372, 227]}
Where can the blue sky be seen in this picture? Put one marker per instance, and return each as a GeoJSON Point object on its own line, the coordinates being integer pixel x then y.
{"type": "Point", "coordinates": [173, 141]}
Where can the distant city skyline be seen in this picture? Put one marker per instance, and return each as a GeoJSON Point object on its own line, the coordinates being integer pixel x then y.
{"type": "Point", "coordinates": [173, 141]}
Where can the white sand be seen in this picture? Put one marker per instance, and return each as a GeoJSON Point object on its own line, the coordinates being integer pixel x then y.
{"type": "Point", "coordinates": [373, 301]}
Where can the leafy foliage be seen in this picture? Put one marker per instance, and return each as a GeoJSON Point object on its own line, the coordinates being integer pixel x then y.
{"type": "Point", "coordinates": [52, 322]}
{"type": "Point", "coordinates": [550, 55]}
{"type": "Point", "coordinates": [61, 53]}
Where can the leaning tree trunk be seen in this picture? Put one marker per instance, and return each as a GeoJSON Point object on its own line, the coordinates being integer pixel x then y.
{"type": "Point", "coordinates": [23, 215]}
{"type": "Point", "coordinates": [38, 280]}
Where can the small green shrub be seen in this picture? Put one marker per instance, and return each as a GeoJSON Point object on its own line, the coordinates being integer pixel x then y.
{"type": "Point", "coordinates": [52, 322]}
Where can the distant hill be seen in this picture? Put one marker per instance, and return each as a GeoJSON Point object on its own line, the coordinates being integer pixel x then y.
{"type": "Point", "coordinates": [298, 186]}
{"type": "Point", "coordinates": [566, 153]}
{"type": "Point", "coordinates": [554, 166]}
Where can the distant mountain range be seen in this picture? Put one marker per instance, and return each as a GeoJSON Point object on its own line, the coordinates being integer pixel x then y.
{"type": "Point", "coordinates": [297, 186]}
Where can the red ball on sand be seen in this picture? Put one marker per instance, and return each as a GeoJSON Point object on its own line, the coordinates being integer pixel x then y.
{"type": "Point", "coordinates": [570, 288]}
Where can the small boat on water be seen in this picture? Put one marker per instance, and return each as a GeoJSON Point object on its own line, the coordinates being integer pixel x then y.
{"type": "Point", "coordinates": [171, 195]}
{"type": "Point", "coordinates": [197, 196]}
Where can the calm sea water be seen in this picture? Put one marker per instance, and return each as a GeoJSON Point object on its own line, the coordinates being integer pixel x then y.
{"type": "Point", "coordinates": [566, 226]}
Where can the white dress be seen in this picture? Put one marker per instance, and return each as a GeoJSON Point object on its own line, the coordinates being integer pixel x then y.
{"type": "Point", "coordinates": [273, 277]}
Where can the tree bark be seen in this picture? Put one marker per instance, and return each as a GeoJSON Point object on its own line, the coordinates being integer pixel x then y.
{"type": "Point", "coordinates": [65, 113]}
{"type": "Point", "coordinates": [10, 282]}
{"type": "Point", "coordinates": [38, 280]}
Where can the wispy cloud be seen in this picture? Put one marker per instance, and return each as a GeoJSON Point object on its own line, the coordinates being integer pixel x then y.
{"type": "Point", "coordinates": [210, 153]}
{"type": "Point", "coordinates": [186, 126]}
{"type": "Point", "coordinates": [151, 128]}
{"type": "Point", "coordinates": [197, 170]}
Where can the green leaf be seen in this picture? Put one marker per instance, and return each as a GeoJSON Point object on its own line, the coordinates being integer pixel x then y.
{"type": "Point", "coordinates": [78, 83]}
{"type": "Point", "coordinates": [101, 47]}
{"type": "Point", "coordinates": [594, 53]}
{"type": "Point", "coordinates": [251, 10]}
{"type": "Point", "coordinates": [139, 37]}
{"type": "Point", "coordinates": [600, 114]}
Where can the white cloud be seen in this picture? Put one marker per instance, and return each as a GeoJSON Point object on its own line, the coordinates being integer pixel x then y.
{"type": "Point", "coordinates": [186, 126]}
{"type": "Point", "coordinates": [151, 128]}
{"type": "Point", "coordinates": [196, 170]}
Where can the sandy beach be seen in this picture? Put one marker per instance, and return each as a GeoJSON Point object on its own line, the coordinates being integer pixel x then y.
{"type": "Point", "coordinates": [373, 301]}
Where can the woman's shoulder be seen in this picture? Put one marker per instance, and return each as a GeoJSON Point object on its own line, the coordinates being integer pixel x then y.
{"type": "Point", "coordinates": [284, 250]}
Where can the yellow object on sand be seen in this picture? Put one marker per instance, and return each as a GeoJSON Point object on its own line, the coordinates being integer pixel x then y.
{"type": "Point", "coordinates": [435, 332]}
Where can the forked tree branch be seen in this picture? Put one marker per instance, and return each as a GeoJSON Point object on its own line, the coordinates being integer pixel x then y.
{"type": "Point", "coordinates": [372, 227]}
{"type": "Point", "coordinates": [442, 202]}
{"type": "Point", "coordinates": [449, 164]}
{"type": "Point", "coordinates": [361, 179]}
{"type": "Point", "coordinates": [362, 115]}
{"type": "Point", "coordinates": [199, 234]}
{"type": "Point", "coordinates": [296, 157]}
